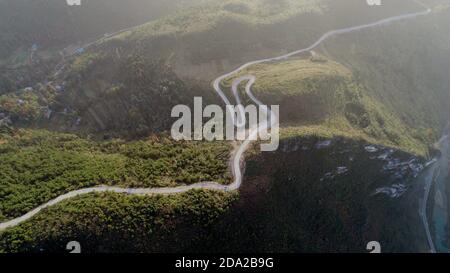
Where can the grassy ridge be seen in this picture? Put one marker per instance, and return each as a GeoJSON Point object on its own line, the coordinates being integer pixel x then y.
{"type": "Point", "coordinates": [324, 98]}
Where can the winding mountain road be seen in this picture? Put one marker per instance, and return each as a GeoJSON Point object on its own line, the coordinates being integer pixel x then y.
{"type": "Point", "coordinates": [238, 154]}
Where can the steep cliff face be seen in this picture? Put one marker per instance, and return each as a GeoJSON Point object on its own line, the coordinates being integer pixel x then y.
{"type": "Point", "coordinates": [327, 195]}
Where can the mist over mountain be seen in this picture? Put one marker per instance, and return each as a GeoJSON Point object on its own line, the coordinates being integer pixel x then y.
{"type": "Point", "coordinates": [53, 23]}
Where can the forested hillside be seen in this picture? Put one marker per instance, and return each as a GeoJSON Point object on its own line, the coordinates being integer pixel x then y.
{"type": "Point", "coordinates": [37, 34]}
{"type": "Point", "coordinates": [359, 117]}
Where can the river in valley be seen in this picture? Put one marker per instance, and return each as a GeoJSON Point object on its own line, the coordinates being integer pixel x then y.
{"type": "Point", "coordinates": [439, 198]}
